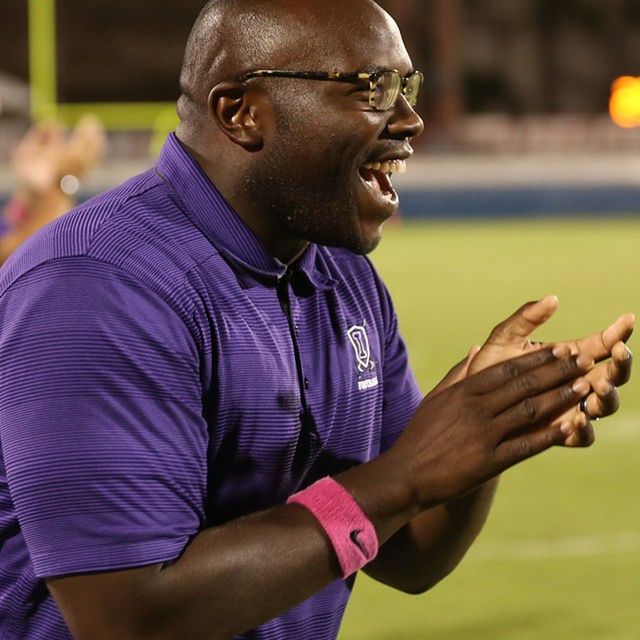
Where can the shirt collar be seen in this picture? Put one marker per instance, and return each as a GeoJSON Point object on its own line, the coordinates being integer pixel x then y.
{"type": "Point", "coordinates": [223, 227]}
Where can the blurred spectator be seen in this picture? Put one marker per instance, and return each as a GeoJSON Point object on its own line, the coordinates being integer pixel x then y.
{"type": "Point", "coordinates": [48, 165]}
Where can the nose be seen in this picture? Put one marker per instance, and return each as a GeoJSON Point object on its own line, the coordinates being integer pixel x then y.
{"type": "Point", "coordinates": [404, 122]}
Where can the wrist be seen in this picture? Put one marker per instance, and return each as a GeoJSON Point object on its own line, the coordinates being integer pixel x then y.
{"type": "Point", "coordinates": [345, 524]}
{"type": "Point", "coordinates": [384, 493]}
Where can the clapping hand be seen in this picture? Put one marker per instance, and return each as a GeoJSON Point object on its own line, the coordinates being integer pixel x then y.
{"type": "Point", "coordinates": [613, 362]}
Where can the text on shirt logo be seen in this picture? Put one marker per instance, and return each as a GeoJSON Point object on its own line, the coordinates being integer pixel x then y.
{"type": "Point", "coordinates": [360, 343]}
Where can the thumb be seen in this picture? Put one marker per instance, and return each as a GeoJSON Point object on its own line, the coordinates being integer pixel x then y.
{"type": "Point", "coordinates": [520, 325]}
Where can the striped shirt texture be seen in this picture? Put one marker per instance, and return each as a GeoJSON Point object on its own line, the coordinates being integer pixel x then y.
{"type": "Point", "coordinates": [161, 373]}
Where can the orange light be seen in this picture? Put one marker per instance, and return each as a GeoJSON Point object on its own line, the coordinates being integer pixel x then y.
{"type": "Point", "coordinates": [624, 105]}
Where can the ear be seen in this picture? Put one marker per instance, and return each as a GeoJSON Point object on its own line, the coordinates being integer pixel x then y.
{"type": "Point", "coordinates": [232, 109]}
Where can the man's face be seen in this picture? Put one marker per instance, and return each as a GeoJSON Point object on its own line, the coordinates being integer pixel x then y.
{"type": "Point", "coordinates": [310, 177]}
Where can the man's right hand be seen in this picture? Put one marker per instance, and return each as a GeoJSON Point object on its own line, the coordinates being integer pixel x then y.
{"type": "Point", "coordinates": [470, 432]}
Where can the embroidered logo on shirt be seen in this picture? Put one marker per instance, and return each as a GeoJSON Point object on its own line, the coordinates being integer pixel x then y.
{"type": "Point", "coordinates": [360, 343]}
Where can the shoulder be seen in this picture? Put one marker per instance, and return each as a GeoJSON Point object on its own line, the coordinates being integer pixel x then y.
{"type": "Point", "coordinates": [73, 233]}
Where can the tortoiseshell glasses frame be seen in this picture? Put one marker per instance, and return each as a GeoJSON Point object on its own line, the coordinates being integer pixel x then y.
{"type": "Point", "coordinates": [385, 86]}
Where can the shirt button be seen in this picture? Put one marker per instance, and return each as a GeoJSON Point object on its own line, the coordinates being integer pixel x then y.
{"type": "Point", "coordinates": [306, 383]}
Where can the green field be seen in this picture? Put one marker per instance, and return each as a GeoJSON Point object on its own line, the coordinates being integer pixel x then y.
{"type": "Point", "coordinates": [560, 555]}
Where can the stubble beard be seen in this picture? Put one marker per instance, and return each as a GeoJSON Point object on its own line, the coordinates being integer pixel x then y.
{"type": "Point", "coordinates": [316, 206]}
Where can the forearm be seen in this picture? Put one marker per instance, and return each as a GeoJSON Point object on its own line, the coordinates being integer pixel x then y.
{"type": "Point", "coordinates": [432, 544]}
{"type": "Point", "coordinates": [235, 577]}
{"type": "Point", "coordinates": [273, 560]}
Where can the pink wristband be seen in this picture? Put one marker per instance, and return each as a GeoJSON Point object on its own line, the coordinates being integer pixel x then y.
{"type": "Point", "coordinates": [351, 533]}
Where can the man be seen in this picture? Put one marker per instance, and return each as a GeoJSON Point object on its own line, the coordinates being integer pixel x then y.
{"type": "Point", "coordinates": [208, 420]}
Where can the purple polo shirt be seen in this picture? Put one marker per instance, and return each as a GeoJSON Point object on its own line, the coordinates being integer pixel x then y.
{"type": "Point", "coordinates": [161, 373]}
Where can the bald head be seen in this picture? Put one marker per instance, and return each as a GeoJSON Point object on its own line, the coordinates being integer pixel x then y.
{"type": "Point", "coordinates": [231, 37]}
{"type": "Point", "coordinates": [288, 153]}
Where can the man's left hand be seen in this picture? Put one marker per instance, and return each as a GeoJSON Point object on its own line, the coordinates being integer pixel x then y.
{"type": "Point", "coordinates": [608, 349]}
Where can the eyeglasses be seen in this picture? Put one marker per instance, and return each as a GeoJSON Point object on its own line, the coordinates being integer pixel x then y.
{"type": "Point", "coordinates": [385, 86]}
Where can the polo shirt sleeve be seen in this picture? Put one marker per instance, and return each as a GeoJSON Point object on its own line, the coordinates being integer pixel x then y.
{"type": "Point", "coordinates": [101, 424]}
{"type": "Point", "coordinates": [402, 394]}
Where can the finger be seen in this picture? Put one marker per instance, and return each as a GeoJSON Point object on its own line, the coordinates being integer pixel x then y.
{"type": "Point", "coordinates": [620, 365]}
{"type": "Point", "coordinates": [543, 408]}
{"type": "Point", "coordinates": [579, 431]}
{"type": "Point", "coordinates": [599, 345]}
{"type": "Point", "coordinates": [499, 374]}
{"type": "Point", "coordinates": [536, 381]}
{"type": "Point", "coordinates": [522, 447]}
{"type": "Point", "coordinates": [527, 376]}
{"type": "Point", "coordinates": [605, 378]}
{"type": "Point", "coordinates": [520, 325]}
{"type": "Point", "coordinates": [605, 400]}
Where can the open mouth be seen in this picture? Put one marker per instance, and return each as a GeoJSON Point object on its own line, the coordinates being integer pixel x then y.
{"type": "Point", "coordinates": [377, 177]}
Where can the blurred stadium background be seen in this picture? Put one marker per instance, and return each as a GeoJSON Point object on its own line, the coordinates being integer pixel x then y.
{"type": "Point", "coordinates": [527, 182]}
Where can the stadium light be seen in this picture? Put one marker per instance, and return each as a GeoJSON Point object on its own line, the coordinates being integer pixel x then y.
{"type": "Point", "coordinates": [624, 105]}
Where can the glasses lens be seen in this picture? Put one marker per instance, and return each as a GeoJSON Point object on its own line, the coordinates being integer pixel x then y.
{"type": "Point", "coordinates": [386, 90]}
{"type": "Point", "coordinates": [412, 88]}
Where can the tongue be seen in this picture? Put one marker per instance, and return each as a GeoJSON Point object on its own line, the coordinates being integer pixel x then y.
{"type": "Point", "coordinates": [378, 179]}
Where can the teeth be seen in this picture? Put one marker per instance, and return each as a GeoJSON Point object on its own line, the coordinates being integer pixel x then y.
{"type": "Point", "coordinates": [390, 167]}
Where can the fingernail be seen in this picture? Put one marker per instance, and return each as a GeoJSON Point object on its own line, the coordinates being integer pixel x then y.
{"type": "Point", "coordinates": [580, 386]}
{"type": "Point", "coordinates": [584, 361]}
{"type": "Point", "coordinates": [627, 353]}
{"type": "Point", "coordinates": [607, 388]}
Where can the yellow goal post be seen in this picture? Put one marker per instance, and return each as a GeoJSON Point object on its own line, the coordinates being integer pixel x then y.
{"type": "Point", "coordinates": [159, 117]}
